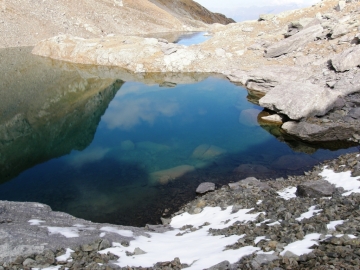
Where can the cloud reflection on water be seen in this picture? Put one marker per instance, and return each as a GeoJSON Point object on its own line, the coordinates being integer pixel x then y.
{"type": "Point", "coordinates": [87, 156]}
{"type": "Point", "coordinates": [127, 111]}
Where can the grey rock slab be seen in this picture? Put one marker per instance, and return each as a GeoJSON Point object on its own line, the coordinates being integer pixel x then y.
{"type": "Point", "coordinates": [238, 76]}
{"type": "Point", "coordinates": [321, 132]}
{"type": "Point", "coordinates": [294, 42]}
{"type": "Point", "coordinates": [315, 189]}
{"type": "Point", "coordinates": [263, 259]}
{"type": "Point", "coordinates": [29, 262]}
{"type": "Point", "coordinates": [265, 79]}
{"type": "Point", "coordinates": [248, 182]}
{"type": "Point", "coordinates": [355, 113]}
{"type": "Point", "coordinates": [299, 100]}
{"type": "Point", "coordinates": [220, 266]}
{"type": "Point", "coordinates": [139, 251]}
{"type": "Point", "coordinates": [275, 118]}
{"type": "Point", "coordinates": [348, 84]}
{"type": "Point", "coordinates": [346, 60]}
{"type": "Point", "coordinates": [205, 187]}
{"type": "Point", "coordinates": [289, 254]}
{"type": "Point", "coordinates": [340, 30]}
{"type": "Point", "coordinates": [19, 237]}
{"type": "Point", "coordinates": [356, 170]}
{"type": "Point", "coordinates": [266, 17]}
{"type": "Point", "coordinates": [340, 6]}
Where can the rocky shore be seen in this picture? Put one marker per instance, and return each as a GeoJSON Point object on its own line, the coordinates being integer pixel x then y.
{"type": "Point", "coordinates": [302, 222]}
{"type": "Point", "coordinates": [303, 63]}
{"type": "Point", "coordinates": [304, 67]}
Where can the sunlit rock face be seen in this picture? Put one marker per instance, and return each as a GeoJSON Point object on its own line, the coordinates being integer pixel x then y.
{"type": "Point", "coordinates": [46, 111]}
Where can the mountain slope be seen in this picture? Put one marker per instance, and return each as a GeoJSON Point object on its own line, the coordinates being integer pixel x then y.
{"type": "Point", "coordinates": [24, 23]}
{"type": "Point", "coordinates": [191, 10]}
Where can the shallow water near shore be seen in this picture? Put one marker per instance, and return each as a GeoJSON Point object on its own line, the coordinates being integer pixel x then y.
{"type": "Point", "coordinates": [182, 38]}
{"type": "Point", "coordinates": [108, 147]}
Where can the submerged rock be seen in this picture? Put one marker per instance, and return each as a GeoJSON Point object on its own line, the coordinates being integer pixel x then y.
{"type": "Point", "coordinates": [152, 147]}
{"type": "Point", "coordinates": [290, 162]}
{"type": "Point", "coordinates": [249, 117]}
{"type": "Point", "coordinates": [127, 145]}
{"type": "Point", "coordinates": [164, 176]}
{"type": "Point", "coordinates": [206, 151]}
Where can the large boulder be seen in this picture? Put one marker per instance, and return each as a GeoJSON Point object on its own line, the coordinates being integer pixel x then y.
{"type": "Point", "coordinates": [321, 132]}
{"type": "Point", "coordinates": [346, 60]}
{"type": "Point", "coordinates": [299, 100]}
{"type": "Point", "coordinates": [294, 42]}
{"type": "Point", "coordinates": [348, 84]}
{"type": "Point", "coordinates": [265, 79]}
{"type": "Point", "coordinates": [315, 189]}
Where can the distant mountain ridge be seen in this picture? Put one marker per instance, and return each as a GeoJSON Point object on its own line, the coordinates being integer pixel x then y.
{"type": "Point", "coordinates": [191, 10]}
{"type": "Point", "coordinates": [24, 23]}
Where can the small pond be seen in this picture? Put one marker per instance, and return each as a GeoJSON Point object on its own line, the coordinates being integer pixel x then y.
{"type": "Point", "coordinates": [110, 146]}
{"type": "Point", "coordinates": [182, 38]}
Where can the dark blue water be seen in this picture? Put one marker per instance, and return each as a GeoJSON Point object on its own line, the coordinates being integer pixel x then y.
{"type": "Point", "coordinates": [126, 152]}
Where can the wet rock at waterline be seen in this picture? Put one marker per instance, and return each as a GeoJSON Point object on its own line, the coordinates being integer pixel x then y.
{"type": "Point", "coordinates": [299, 100]}
{"type": "Point", "coordinates": [250, 182]}
{"type": "Point", "coordinates": [322, 132]}
{"type": "Point", "coordinates": [255, 170]}
{"type": "Point", "coordinates": [205, 187]}
{"type": "Point", "coordinates": [275, 118]}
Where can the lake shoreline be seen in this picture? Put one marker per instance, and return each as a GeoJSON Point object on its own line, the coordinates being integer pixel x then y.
{"type": "Point", "coordinates": [40, 224]}
{"type": "Point", "coordinates": [324, 106]}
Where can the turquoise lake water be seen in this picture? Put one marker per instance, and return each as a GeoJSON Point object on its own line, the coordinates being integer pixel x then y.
{"type": "Point", "coordinates": [110, 146]}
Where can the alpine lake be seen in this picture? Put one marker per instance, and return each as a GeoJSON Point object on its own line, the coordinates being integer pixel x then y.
{"type": "Point", "coordinates": [106, 145]}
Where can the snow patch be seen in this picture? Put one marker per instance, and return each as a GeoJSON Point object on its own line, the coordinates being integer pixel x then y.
{"type": "Point", "coordinates": [126, 233]}
{"type": "Point", "coordinates": [309, 213]}
{"type": "Point", "coordinates": [259, 238]}
{"type": "Point", "coordinates": [36, 222]}
{"type": "Point", "coordinates": [49, 268]}
{"type": "Point", "coordinates": [102, 234]}
{"type": "Point", "coordinates": [287, 193]}
{"type": "Point", "coordinates": [302, 246]}
{"type": "Point", "coordinates": [333, 224]}
{"type": "Point", "coordinates": [68, 232]}
{"type": "Point", "coordinates": [218, 218]}
{"type": "Point", "coordinates": [66, 256]}
{"type": "Point", "coordinates": [342, 179]}
{"type": "Point", "coordinates": [198, 248]}
{"type": "Point", "coordinates": [274, 223]}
